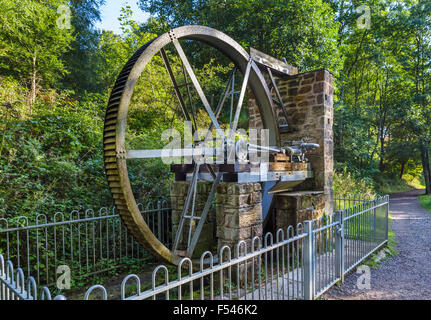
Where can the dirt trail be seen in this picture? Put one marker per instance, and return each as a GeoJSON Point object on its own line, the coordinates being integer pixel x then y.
{"type": "Point", "coordinates": [407, 275]}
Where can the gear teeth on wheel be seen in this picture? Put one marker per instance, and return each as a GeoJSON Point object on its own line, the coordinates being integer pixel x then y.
{"type": "Point", "coordinates": [109, 142]}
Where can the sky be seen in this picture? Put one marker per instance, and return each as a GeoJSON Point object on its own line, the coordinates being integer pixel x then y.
{"type": "Point", "coordinates": [111, 11]}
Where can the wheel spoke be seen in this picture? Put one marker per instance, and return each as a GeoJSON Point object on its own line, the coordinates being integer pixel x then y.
{"type": "Point", "coordinates": [223, 97]}
{"type": "Point", "coordinates": [204, 215]}
{"type": "Point", "coordinates": [197, 87]}
{"type": "Point", "coordinates": [232, 93]}
{"type": "Point", "coordinates": [192, 213]}
{"type": "Point", "coordinates": [238, 108]}
{"type": "Point", "coordinates": [211, 170]}
{"type": "Point", "coordinates": [189, 94]}
{"type": "Point", "coordinates": [175, 85]}
{"type": "Point", "coordinates": [169, 153]}
{"type": "Point", "coordinates": [190, 194]}
{"type": "Point", "coordinates": [219, 107]}
{"type": "Point", "coordinates": [241, 98]}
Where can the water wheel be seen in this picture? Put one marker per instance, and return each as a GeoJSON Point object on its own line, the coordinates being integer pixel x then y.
{"type": "Point", "coordinates": [168, 48]}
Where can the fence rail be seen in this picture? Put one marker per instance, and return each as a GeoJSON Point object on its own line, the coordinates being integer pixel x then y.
{"type": "Point", "coordinates": [344, 201]}
{"type": "Point", "coordinates": [297, 263]}
{"type": "Point", "coordinates": [88, 242]}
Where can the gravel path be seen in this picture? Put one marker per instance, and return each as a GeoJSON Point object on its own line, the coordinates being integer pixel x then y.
{"type": "Point", "coordinates": [403, 277]}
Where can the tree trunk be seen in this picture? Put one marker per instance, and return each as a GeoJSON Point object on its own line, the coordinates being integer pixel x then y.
{"type": "Point", "coordinates": [403, 164]}
{"type": "Point", "coordinates": [426, 166]}
{"type": "Point", "coordinates": [382, 151]}
{"type": "Point", "coordinates": [33, 84]}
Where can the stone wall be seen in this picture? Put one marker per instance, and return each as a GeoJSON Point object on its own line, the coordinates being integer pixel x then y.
{"type": "Point", "coordinates": [239, 218]}
{"type": "Point", "coordinates": [308, 98]}
{"type": "Point", "coordinates": [296, 209]}
{"type": "Point", "coordinates": [239, 213]}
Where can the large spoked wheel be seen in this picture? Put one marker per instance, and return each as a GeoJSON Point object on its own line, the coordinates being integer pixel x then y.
{"type": "Point", "coordinates": [116, 152]}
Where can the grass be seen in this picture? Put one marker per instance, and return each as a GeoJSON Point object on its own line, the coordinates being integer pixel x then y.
{"type": "Point", "coordinates": [389, 185]}
{"type": "Point", "coordinates": [386, 253]}
{"type": "Point", "coordinates": [425, 201]}
{"type": "Point", "coordinates": [393, 188]}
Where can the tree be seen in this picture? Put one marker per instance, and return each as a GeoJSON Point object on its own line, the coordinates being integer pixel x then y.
{"type": "Point", "coordinates": [114, 50]}
{"type": "Point", "coordinates": [367, 107]}
{"type": "Point", "coordinates": [304, 32]}
{"type": "Point", "coordinates": [415, 56]}
{"type": "Point", "coordinates": [82, 58]}
{"type": "Point", "coordinates": [31, 43]}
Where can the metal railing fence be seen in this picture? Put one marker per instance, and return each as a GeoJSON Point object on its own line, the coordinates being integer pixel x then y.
{"type": "Point", "coordinates": [270, 271]}
{"type": "Point", "coordinates": [15, 286]}
{"type": "Point", "coordinates": [342, 201]}
{"type": "Point", "coordinates": [302, 263]}
{"type": "Point", "coordinates": [87, 242]}
{"type": "Point", "coordinates": [365, 229]}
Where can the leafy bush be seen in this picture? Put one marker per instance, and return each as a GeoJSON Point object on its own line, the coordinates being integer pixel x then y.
{"type": "Point", "coordinates": [52, 161]}
{"type": "Point", "coordinates": [346, 183]}
{"type": "Point", "coordinates": [425, 201]}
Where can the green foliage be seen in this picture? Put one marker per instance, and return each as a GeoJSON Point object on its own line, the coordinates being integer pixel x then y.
{"type": "Point", "coordinates": [425, 201]}
{"type": "Point", "coordinates": [345, 183]}
{"type": "Point", "coordinates": [388, 184]}
{"type": "Point", "coordinates": [83, 56]}
{"type": "Point", "coordinates": [114, 50]}
{"type": "Point", "coordinates": [31, 44]}
{"type": "Point", "coordinates": [53, 160]}
{"type": "Point", "coordinates": [304, 32]}
{"type": "Point", "coordinates": [382, 112]}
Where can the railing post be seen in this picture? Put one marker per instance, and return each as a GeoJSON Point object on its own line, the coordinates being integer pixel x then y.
{"type": "Point", "coordinates": [358, 221]}
{"type": "Point", "coordinates": [339, 245]}
{"type": "Point", "coordinates": [387, 218]}
{"type": "Point", "coordinates": [159, 222]}
{"type": "Point", "coordinates": [374, 221]}
{"type": "Point", "coordinates": [308, 261]}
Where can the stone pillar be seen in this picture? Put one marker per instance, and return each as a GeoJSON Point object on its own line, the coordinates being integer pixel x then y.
{"type": "Point", "coordinates": [207, 240]}
{"type": "Point", "coordinates": [239, 217]}
{"type": "Point", "coordinates": [285, 212]}
{"type": "Point", "coordinates": [309, 100]}
{"type": "Point", "coordinates": [239, 213]}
